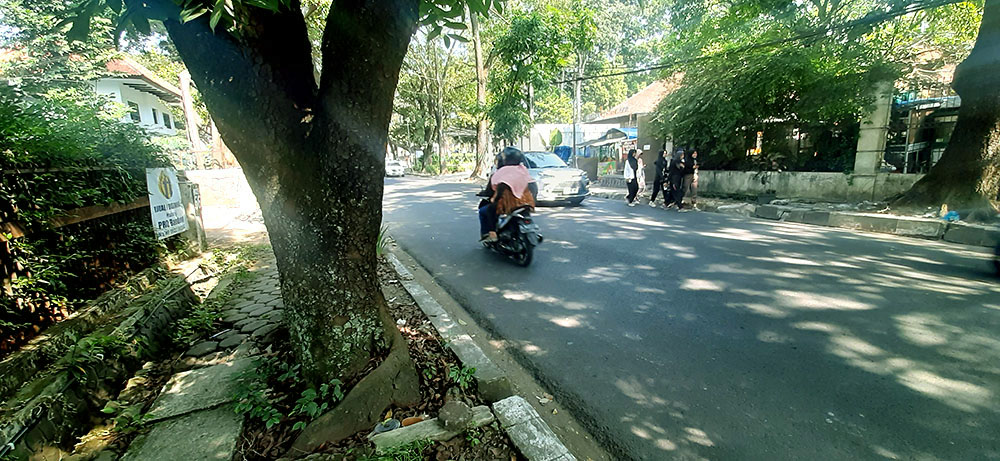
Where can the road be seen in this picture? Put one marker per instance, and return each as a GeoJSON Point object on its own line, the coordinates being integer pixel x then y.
{"type": "Point", "coordinates": [705, 336]}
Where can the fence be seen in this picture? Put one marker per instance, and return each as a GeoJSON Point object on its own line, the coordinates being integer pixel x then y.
{"type": "Point", "coordinates": [50, 259]}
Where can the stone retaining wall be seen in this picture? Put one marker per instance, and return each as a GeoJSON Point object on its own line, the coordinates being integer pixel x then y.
{"type": "Point", "coordinates": [52, 408]}
{"type": "Point", "coordinates": [25, 364]}
{"type": "Point", "coordinates": [807, 185]}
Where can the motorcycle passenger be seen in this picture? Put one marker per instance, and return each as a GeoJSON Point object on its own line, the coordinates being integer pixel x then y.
{"type": "Point", "coordinates": [510, 191]}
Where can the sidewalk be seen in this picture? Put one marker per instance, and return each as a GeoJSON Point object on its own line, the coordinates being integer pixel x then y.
{"type": "Point", "coordinates": [193, 418]}
{"type": "Point", "coordinates": [864, 216]}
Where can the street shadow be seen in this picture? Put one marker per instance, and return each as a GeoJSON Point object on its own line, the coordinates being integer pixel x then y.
{"type": "Point", "coordinates": [696, 335]}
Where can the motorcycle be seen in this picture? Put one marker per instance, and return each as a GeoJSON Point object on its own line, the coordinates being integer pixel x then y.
{"type": "Point", "coordinates": [517, 235]}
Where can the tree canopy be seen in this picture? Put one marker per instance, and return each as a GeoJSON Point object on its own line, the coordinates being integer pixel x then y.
{"type": "Point", "coordinates": [822, 83]}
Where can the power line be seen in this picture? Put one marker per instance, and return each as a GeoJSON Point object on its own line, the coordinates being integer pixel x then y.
{"type": "Point", "coordinates": [869, 19]}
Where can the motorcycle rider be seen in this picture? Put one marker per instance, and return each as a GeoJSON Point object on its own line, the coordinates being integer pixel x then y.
{"type": "Point", "coordinates": [508, 189]}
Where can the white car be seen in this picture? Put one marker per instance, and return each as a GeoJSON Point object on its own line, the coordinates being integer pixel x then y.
{"type": "Point", "coordinates": [556, 181]}
{"type": "Point", "coordinates": [394, 168]}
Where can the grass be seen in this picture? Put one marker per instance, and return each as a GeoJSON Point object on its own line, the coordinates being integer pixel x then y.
{"type": "Point", "coordinates": [383, 240]}
{"type": "Point", "coordinates": [413, 451]}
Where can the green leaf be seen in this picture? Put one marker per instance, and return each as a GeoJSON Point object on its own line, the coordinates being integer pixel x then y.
{"type": "Point", "coordinates": [447, 41]}
{"type": "Point", "coordinates": [434, 33]}
{"type": "Point", "coordinates": [115, 5]}
{"type": "Point", "coordinates": [192, 13]}
{"type": "Point", "coordinates": [81, 28]}
{"type": "Point", "coordinates": [478, 6]}
{"type": "Point", "coordinates": [456, 25]}
{"type": "Point", "coordinates": [458, 38]}
{"type": "Point", "coordinates": [220, 7]}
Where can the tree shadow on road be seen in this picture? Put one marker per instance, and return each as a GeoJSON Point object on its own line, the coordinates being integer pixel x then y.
{"type": "Point", "coordinates": [758, 339]}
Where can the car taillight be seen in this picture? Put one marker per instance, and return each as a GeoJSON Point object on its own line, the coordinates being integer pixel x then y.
{"type": "Point", "coordinates": [527, 221]}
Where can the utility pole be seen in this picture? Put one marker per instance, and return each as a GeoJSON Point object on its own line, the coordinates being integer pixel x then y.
{"type": "Point", "coordinates": [190, 119]}
{"type": "Point", "coordinates": [576, 106]}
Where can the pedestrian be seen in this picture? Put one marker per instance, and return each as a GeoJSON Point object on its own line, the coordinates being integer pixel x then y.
{"type": "Point", "coordinates": [632, 172]}
{"type": "Point", "coordinates": [660, 178]}
{"type": "Point", "coordinates": [691, 177]}
{"type": "Point", "coordinates": [676, 180]}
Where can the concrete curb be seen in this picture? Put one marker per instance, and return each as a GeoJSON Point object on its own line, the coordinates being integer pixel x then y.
{"type": "Point", "coordinates": [906, 226]}
{"type": "Point", "coordinates": [491, 381]}
{"type": "Point", "coordinates": [529, 433]}
{"type": "Point", "coordinates": [522, 423]}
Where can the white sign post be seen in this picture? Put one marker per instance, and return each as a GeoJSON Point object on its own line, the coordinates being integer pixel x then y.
{"type": "Point", "coordinates": [165, 205]}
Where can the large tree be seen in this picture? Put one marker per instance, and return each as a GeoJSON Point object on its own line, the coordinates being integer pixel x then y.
{"type": "Point", "coordinates": [968, 173]}
{"type": "Point", "coordinates": [312, 148]}
{"type": "Point", "coordinates": [831, 55]}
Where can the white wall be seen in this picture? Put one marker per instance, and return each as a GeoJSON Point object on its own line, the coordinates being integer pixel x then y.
{"type": "Point", "coordinates": [538, 137]}
{"type": "Point", "coordinates": [117, 90]}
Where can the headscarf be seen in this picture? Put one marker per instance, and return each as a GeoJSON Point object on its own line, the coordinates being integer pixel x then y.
{"type": "Point", "coordinates": [516, 177]}
{"type": "Point", "coordinates": [632, 161]}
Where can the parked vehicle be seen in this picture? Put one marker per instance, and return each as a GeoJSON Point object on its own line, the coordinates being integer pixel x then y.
{"type": "Point", "coordinates": [517, 236]}
{"type": "Point", "coordinates": [557, 182]}
{"type": "Point", "coordinates": [394, 169]}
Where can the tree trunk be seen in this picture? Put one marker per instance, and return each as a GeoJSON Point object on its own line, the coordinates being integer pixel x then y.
{"type": "Point", "coordinates": [483, 159]}
{"type": "Point", "coordinates": [968, 174]}
{"type": "Point", "coordinates": [314, 158]}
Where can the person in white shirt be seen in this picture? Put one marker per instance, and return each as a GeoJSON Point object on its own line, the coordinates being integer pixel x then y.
{"type": "Point", "coordinates": [634, 176]}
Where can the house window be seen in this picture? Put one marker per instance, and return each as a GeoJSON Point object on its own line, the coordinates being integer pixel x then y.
{"type": "Point", "coordinates": [166, 120]}
{"type": "Point", "coordinates": [133, 113]}
{"type": "Point", "coordinates": [156, 119]}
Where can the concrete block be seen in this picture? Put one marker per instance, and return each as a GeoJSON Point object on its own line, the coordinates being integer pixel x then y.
{"type": "Point", "coordinates": [490, 379]}
{"type": "Point", "coordinates": [865, 222]}
{"type": "Point", "coordinates": [432, 429]}
{"type": "Point", "coordinates": [198, 389]}
{"type": "Point", "coordinates": [514, 410]}
{"type": "Point", "coordinates": [816, 218]}
{"type": "Point", "coordinates": [740, 209]}
{"type": "Point", "coordinates": [528, 431]}
{"type": "Point", "coordinates": [203, 435]}
{"type": "Point", "coordinates": [793, 215]}
{"type": "Point", "coordinates": [403, 272]}
{"type": "Point", "coordinates": [536, 441]}
{"type": "Point", "coordinates": [972, 234]}
{"type": "Point", "coordinates": [768, 212]}
{"type": "Point", "coordinates": [918, 227]}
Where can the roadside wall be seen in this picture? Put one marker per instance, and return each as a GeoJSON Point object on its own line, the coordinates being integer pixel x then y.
{"type": "Point", "coordinates": [223, 188]}
{"type": "Point", "coordinates": [831, 187]}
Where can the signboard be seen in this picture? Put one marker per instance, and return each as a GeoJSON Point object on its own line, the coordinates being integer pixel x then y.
{"type": "Point", "coordinates": [165, 205]}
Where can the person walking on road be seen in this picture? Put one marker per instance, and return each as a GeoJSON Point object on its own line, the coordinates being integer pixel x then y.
{"type": "Point", "coordinates": [632, 173]}
{"type": "Point", "coordinates": [676, 180]}
{"type": "Point", "coordinates": [660, 178]}
{"type": "Point", "coordinates": [691, 177]}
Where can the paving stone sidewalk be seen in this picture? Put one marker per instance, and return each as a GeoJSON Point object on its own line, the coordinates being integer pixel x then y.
{"type": "Point", "coordinates": [193, 418]}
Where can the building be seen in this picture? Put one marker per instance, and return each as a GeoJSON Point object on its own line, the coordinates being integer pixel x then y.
{"type": "Point", "coordinates": [634, 131]}
{"type": "Point", "coordinates": [146, 95]}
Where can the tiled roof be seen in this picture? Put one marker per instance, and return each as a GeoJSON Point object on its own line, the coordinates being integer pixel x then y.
{"type": "Point", "coordinates": [160, 87]}
{"type": "Point", "coordinates": [644, 101]}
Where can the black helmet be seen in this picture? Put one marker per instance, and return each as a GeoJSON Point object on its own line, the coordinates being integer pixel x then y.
{"type": "Point", "coordinates": [512, 156]}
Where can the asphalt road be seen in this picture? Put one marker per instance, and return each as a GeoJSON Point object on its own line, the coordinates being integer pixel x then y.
{"type": "Point", "coordinates": [704, 336]}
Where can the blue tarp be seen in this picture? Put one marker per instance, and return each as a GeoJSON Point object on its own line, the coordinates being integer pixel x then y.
{"type": "Point", "coordinates": [564, 152]}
